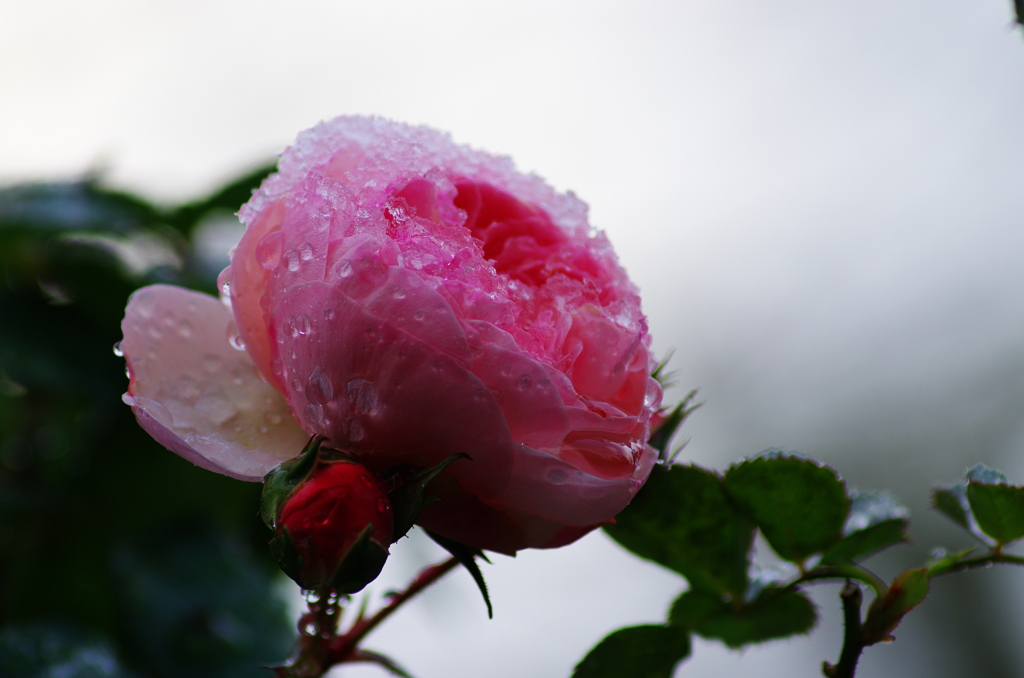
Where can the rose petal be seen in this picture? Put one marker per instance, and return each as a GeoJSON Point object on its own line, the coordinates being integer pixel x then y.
{"type": "Point", "coordinates": [195, 393]}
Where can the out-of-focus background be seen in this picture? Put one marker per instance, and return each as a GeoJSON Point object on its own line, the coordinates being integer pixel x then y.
{"type": "Point", "coordinates": [822, 203]}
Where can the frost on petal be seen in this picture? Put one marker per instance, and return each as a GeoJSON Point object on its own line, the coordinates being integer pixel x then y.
{"type": "Point", "coordinates": [198, 395]}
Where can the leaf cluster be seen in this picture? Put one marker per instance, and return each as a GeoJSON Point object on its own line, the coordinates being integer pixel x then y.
{"type": "Point", "coordinates": [115, 554]}
{"type": "Point", "coordinates": [702, 525]}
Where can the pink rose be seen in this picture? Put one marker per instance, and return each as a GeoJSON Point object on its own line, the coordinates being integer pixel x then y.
{"type": "Point", "coordinates": [409, 299]}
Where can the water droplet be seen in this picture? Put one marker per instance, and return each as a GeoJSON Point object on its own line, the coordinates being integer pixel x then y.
{"type": "Point", "coordinates": [265, 302]}
{"type": "Point", "coordinates": [128, 400]}
{"type": "Point", "coordinates": [296, 385]}
{"type": "Point", "coordinates": [185, 329]}
{"type": "Point", "coordinates": [290, 328]}
{"type": "Point", "coordinates": [268, 250]}
{"type": "Point", "coordinates": [318, 387]}
{"type": "Point", "coordinates": [314, 413]}
{"type": "Point", "coordinates": [236, 342]}
{"type": "Point", "coordinates": [212, 363]}
{"type": "Point", "coordinates": [557, 476]}
{"type": "Point", "coordinates": [355, 430]}
{"type": "Point", "coordinates": [479, 395]}
{"type": "Point", "coordinates": [127, 372]}
{"type": "Point", "coordinates": [291, 258]}
{"type": "Point", "coordinates": [155, 331]}
{"type": "Point", "coordinates": [344, 269]}
{"type": "Point", "coordinates": [302, 324]}
{"type": "Point", "coordinates": [399, 293]}
{"type": "Point", "coordinates": [506, 369]}
{"type": "Point", "coordinates": [525, 382]}
{"type": "Point", "coordinates": [419, 315]}
{"type": "Point", "coordinates": [224, 283]}
{"type": "Point", "coordinates": [117, 350]}
{"type": "Point", "coordinates": [273, 419]}
{"type": "Point", "coordinates": [277, 367]}
{"type": "Point", "coordinates": [362, 395]}
{"type": "Point", "coordinates": [306, 251]}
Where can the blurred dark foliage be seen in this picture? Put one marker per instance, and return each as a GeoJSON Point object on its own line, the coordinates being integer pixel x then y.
{"type": "Point", "coordinates": [117, 558]}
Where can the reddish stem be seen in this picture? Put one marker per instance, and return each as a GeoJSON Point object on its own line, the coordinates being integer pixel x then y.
{"type": "Point", "coordinates": [343, 648]}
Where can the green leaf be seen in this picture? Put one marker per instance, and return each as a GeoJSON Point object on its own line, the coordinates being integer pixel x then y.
{"type": "Point", "coordinates": [650, 651]}
{"type": "Point", "coordinates": [777, 612]}
{"type": "Point", "coordinates": [467, 556]}
{"type": "Point", "coordinates": [951, 501]}
{"type": "Point", "coordinates": [226, 199]}
{"type": "Point", "coordinates": [43, 650]}
{"type": "Point", "coordinates": [905, 593]}
{"type": "Point", "coordinates": [876, 521]}
{"type": "Point", "coordinates": [999, 510]}
{"type": "Point", "coordinates": [683, 520]}
{"type": "Point", "coordinates": [800, 505]}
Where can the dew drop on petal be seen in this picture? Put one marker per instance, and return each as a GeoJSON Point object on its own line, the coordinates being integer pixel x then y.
{"type": "Point", "coordinates": [302, 324]}
{"type": "Point", "coordinates": [277, 367]}
{"type": "Point", "coordinates": [273, 419]}
{"type": "Point", "coordinates": [355, 430]}
{"type": "Point", "coordinates": [525, 382]}
{"type": "Point", "coordinates": [268, 250]}
{"type": "Point", "coordinates": [224, 283]}
{"type": "Point", "coordinates": [212, 363]}
{"type": "Point", "coordinates": [318, 387]}
{"type": "Point", "coordinates": [314, 413]}
{"type": "Point", "coordinates": [127, 399]}
{"type": "Point", "coordinates": [185, 329]}
{"type": "Point", "coordinates": [236, 342]}
{"type": "Point", "coordinates": [329, 313]}
{"type": "Point", "coordinates": [291, 258]}
{"type": "Point", "coordinates": [557, 476]}
{"type": "Point", "coordinates": [399, 293]}
{"type": "Point", "coordinates": [117, 350]}
{"type": "Point", "coordinates": [306, 251]}
{"type": "Point", "coordinates": [344, 269]}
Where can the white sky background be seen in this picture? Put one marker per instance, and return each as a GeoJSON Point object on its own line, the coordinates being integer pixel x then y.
{"type": "Point", "coordinates": [822, 202]}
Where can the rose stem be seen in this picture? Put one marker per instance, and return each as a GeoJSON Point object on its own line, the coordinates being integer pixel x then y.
{"type": "Point", "coordinates": [344, 646]}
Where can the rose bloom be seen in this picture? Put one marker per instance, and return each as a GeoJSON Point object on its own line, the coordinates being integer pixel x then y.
{"type": "Point", "coordinates": [410, 299]}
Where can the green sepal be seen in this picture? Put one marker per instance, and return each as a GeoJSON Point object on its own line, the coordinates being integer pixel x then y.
{"type": "Point", "coordinates": [661, 436]}
{"type": "Point", "coordinates": [407, 499]}
{"type": "Point", "coordinates": [800, 505]}
{"type": "Point", "coordinates": [876, 521]}
{"type": "Point", "coordinates": [360, 565]}
{"type": "Point", "coordinates": [648, 651]}
{"type": "Point", "coordinates": [467, 555]}
{"type": "Point", "coordinates": [905, 593]}
{"type": "Point", "coordinates": [279, 483]}
{"type": "Point", "coordinates": [941, 561]}
{"type": "Point", "coordinates": [777, 612]}
{"type": "Point", "coordinates": [282, 547]}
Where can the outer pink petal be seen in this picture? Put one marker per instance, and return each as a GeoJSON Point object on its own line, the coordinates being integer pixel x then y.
{"type": "Point", "coordinates": [195, 393]}
{"type": "Point", "coordinates": [373, 388]}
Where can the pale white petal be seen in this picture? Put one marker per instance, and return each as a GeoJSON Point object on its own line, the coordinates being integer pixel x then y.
{"type": "Point", "coordinates": [196, 393]}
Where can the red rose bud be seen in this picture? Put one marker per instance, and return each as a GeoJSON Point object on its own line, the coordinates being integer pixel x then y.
{"type": "Point", "coordinates": [334, 528]}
